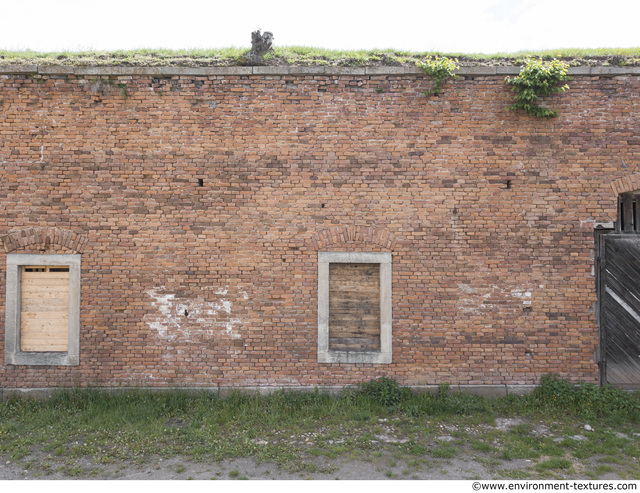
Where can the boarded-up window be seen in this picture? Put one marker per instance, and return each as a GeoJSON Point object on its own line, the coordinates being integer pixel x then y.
{"type": "Point", "coordinates": [42, 324]}
{"type": "Point", "coordinates": [44, 308]}
{"type": "Point", "coordinates": [354, 307]}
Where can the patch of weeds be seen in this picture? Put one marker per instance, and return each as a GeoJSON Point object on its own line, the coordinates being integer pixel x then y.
{"type": "Point", "coordinates": [20, 453]}
{"type": "Point", "coordinates": [71, 470]}
{"type": "Point", "coordinates": [398, 454]}
{"type": "Point", "coordinates": [552, 449]}
{"type": "Point", "coordinates": [516, 446]}
{"type": "Point", "coordinates": [390, 474]}
{"type": "Point", "coordinates": [234, 474]}
{"type": "Point", "coordinates": [335, 451]}
{"type": "Point", "coordinates": [602, 469]}
{"type": "Point", "coordinates": [554, 465]}
{"type": "Point", "coordinates": [522, 429]}
{"type": "Point", "coordinates": [481, 446]}
{"type": "Point", "coordinates": [584, 452]}
{"type": "Point", "coordinates": [514, 474]}
{"type": "Point", "coordinates": [180, 469]}
{"type": "Point", "coordinates": [632, 450]}
{"type": "Point", "coordinates": [446, 452]}
{"type": "Point", "coordinates": [414, 463]}
{"type": "Point", "coordinates": [587, 400]}
{"type": "Point", "coordinates": [414, 448]}
{"type": "Point", "coordinates": [365, 438]}
{"type": "Point", "coordinates": [613, 459]}
{"type": "Point", "coordinates": [518, 450]}
{"type": "Point", "coordinates": [487, 461]}
{"type": "Point", "coordinates": [361, 415]}
{"type": "Point", "coordinates": [384, 391]}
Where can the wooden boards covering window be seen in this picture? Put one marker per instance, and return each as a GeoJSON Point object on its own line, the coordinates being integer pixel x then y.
{"type": "Point", "coordinates": [44, 313]}
{"type": "Point", "coordinates": [354, 307]}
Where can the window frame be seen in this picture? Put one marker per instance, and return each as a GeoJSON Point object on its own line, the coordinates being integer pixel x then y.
{"type": "Point", "coordinates": [325, 355]}
{"type": "Point", "coordinates": [12, 351]}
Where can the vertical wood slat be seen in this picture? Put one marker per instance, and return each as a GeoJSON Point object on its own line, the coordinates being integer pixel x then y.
{"type": "Point", "coordinates": [627, 206]}
{"type": "Point", "coordinates": [44, 309]}
{"type": "Point", "coordinates": [354, 307]}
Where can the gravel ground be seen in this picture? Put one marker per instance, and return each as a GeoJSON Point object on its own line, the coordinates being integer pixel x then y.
{"type": "Point", "coordinates": [183, 469]}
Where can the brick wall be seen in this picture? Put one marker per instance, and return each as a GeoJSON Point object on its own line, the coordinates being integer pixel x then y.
{"type": "Point", "coordinates": [200, 200]}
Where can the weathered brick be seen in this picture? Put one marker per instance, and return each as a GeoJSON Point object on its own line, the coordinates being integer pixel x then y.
{"type": "Point", "coordinates": [214, 283]}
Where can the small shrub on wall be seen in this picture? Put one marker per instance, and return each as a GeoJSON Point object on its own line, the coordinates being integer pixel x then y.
{"type": "Point", "coordinates": [441, 69]}
{"type": "Point", "coordinates": [538, 79]}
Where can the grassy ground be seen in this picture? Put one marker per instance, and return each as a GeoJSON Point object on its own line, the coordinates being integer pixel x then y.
{"type": "Point", "coordinates": [560, 431]}
{"type": "Point", "coordinates": [298, 55]}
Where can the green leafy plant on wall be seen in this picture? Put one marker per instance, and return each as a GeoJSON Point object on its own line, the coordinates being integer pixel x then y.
{"type": "Point", "coordinates": [538, 79]}
{"type": "Point", "coordinates": [441, 69]}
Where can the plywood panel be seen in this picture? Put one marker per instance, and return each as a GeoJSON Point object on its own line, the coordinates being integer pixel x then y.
{"type": "Point", "coordinates": [354, 307]}
{"type": "Point", "coordinates": [44, 312]}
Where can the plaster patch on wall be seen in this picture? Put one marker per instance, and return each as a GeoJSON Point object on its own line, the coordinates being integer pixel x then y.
{"type": "Point", "coordinates": [522, 294]}
{"type": "Point", "coordinates": [479, 299]}
{"type": "Point", "coordinates": [590, 223]}
{"type": "Point", "coordinates": [142, 377]}
{"type": "Point", "coordinates": [191, 319]}
{"type": "Point", "coordinates": [465, 288]}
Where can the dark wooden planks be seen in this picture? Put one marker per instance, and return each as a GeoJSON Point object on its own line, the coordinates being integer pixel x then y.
{"type": "Point", "coordinates": [354, 307]}
{"type": "Point", "coordinates": [620, 310]}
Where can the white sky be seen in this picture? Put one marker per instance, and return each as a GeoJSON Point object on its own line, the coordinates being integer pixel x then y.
{"type": "Point", "coordinates": [467, 26]}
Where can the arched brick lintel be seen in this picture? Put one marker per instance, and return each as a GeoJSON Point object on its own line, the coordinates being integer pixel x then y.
{"type": "Point", "coordinates": [45, 236]}
{"type": "Point", "coordinates": [345, 234]}
{"type": "Point", "coordinates": [626, 184]}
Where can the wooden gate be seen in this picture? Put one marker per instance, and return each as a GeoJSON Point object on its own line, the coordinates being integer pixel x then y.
{"type": "Point", "coordinates": [619, 306]}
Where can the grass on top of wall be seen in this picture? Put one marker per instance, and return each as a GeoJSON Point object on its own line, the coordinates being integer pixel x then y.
{"type": "Point", "coordinates": [300, 55]}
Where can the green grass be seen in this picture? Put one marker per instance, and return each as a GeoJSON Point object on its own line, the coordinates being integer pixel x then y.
{"type": "Point", "coordinates": [554, 464]}
{"type": "Point", "coordinates": [301, 55]}
{"type": "Point", "coordinates": [292, 429]}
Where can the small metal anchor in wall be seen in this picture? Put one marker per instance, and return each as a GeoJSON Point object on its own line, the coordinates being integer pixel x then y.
{"type": "Point", "coordinates": [261, 44]}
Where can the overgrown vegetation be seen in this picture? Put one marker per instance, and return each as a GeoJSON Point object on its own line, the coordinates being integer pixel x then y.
{"type": "Point", "coordinates": [302, 56]}
{"type": "Point", "coordinates": [441, 69]}
{"type": "Point", "coordinates": [537, 79]}
{"type": "Point", "coordinates": [291, 429]}
{"type": "Point", "coordinates": [586, 399]}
